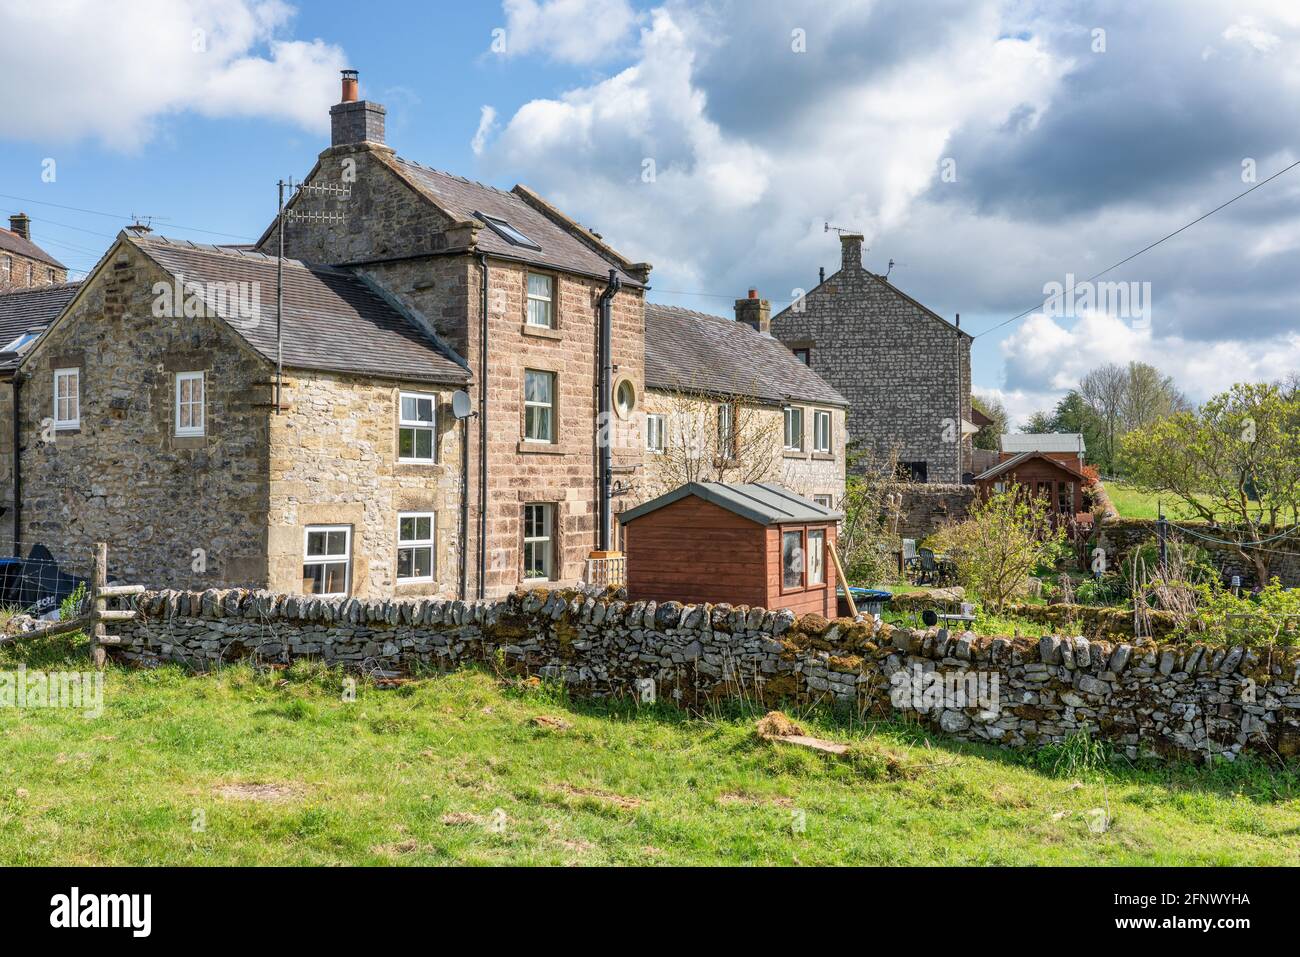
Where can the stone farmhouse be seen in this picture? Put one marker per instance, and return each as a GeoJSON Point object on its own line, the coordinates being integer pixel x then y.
{"type": "Point", "coordinates": [904, 369]}
{"type": "Point", "coordinates": [23, 264]}
{"type": "Point", "coordinates": [727, 402]}
{"type": "Point", "coordinates": [214, 437]}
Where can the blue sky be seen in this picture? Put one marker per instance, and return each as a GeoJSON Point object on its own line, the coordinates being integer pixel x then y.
{"type": "Point", "coordinates": [988, 147]}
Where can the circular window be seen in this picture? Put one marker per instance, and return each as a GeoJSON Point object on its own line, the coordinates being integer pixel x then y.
{"type": "Point", "coordinates": [624, 398]}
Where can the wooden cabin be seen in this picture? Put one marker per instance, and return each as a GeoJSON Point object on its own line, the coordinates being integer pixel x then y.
{"type": "Point", "coordinates": [747, 544]}
{"type": "Point", "coordinates": [1044, 475]}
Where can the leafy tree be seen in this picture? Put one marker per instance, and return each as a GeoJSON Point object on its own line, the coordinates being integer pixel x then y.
{"type": "Point", "coordinates": [987, 437]}
{"type": "Point", "coordinates": [1005, 537]}
{"type": "Point", "coordinates": [1237, 458]}
{"type": "Point", "coordinates": [1038, 423]}
{"type": "Point", "coordinates": [875, 496]}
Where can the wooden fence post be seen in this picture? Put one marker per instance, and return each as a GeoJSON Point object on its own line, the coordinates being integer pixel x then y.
{"type": "Point", "coordinates": [99, 605]}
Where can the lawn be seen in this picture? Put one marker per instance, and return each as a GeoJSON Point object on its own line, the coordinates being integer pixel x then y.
{"type": "Point", "coordinates": [1132, 502]}
{"type": "Point", "coordinates": [275, 767]}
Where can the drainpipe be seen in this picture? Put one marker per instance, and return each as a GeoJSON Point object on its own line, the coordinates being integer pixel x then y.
{"type": "Point", "coordinates": [602, 419]}
{"type": "Point", "coordinates": [463, 591]}
{"type": "Point", "coordinates": [18, 488]}
{"type": "Point", "coordinates": [482, 423]}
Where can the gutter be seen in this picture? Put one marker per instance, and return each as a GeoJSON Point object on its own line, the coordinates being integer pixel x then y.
{"type": "Point", "coordinates": [603, 438]}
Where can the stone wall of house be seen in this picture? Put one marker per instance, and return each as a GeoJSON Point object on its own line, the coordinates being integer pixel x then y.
{"type": "Point", "coordinates": [179, 510]}
{"type": "Point", "coordinates": [1189, 700]}
{"type": "Point", "coordinates": [905, 373]}
{"type": "Point", "coordinates": [1120, 536]}
{"type": "Point", "coordinates": [23, 272]}
{"type": "Point", "coordinates": [334, 461]}
{"type": "Point", "coordinates": [928, 507]}
{"type": "Point", "coordinates": [760, 433]}
{"type": "Point", "coordinates": [7, 469]}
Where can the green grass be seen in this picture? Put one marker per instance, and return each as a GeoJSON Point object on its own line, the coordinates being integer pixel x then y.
{"type": "Point", "coordinates": [1132, 502]}
{"type": "Point", "coordinates": [279, 769]}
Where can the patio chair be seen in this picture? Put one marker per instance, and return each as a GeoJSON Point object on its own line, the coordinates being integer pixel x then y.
{"type": "Point", "coordinates": [909, 557]}
{"type": "Point", "coordinates": [929, 570]}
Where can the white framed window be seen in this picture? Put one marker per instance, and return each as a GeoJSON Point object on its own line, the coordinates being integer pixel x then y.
{"type": "Point", "coordinates": [6, 268]}
{"type": "Point", "coordinates": [816, 556]}
{"type": "Point", "coordinates": [327, 559]}
{"type": "Point", "coordinates": [825, 501]}
{"type": "Point", "coordinates": [726, 431]}
{"type": "Point", "coordinates": [539, 406]}
{"type": "Point", "coordinates": [416, 430]}
{"type": "Point", "coordinates": [539, 545]}
{"type": "Point", "coordinates": [415, 538]}
{"type": "Point", "coordinates": [792, 560]}
{"type": "Point", "coordinates": [793, 429]}
{"type": "Point", "coordinates": [67, 398]}
{"type": "Point", "coordinates": [541, 300]}
{"type": "Point", "coordinates": [821, 431]}
{"type": "Point", "coordinates": [190, 395]}
{"type": "Point", "coordinates": [655, 427]}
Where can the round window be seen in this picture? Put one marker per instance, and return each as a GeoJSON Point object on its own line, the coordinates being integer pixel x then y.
{"type": "Point", "coordinates": [624, 398]}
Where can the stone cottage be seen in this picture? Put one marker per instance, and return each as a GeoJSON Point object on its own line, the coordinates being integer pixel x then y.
{"type": "Point", "coordinates": [23, 264]}
{"type": "Point", "coordinates": [904, 369]}
{"type": "Point", "coordinates": [727, 402]}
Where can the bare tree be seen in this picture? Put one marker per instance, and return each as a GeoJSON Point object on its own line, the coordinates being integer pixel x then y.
{"type": "Point", "coordinates": [1103, 391]}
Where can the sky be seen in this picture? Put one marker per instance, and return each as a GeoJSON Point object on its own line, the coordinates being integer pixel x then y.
{"type": "Point", "coordinates": [991, 149]}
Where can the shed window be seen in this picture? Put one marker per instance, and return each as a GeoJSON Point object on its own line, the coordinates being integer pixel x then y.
{"type": "Point", "coordinates": [416, 427]}
{"type": "Point", "coordinates": [1065, 498]}
{"type": "Point", "coordinates": [821, 431]}
{"type": "Point", "coordinates": [67, 398]}
{"type": "Point", "coordinates": [793, 429]}
{"type": "Point", "coordinates": [792, 560]}
{"type": "Point", "coordinates": [415, 546]}
{"type": "Point", "coordinates": [541, 303]}
{"type": "Point", "coordinates": [654, 432]}
{"type": "Point", "coordinates": [538, 544]}
{"type": "Point", "coordinates": [539, 406]}
{"type": "Point", "coordinates": [816, 556]}
{"type": "Point", "coordinates": [327, 559]}
{"type": "Point", "coordinates": [189, 403]}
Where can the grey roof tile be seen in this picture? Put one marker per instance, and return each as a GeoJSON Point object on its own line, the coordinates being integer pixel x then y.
{"type": "Point", "coordinates": [26, 309]}
{"type": "Point", "coordinates": [688, 351]}
{"type": "Point", "coordinates": [10, 241]}
{"type": "Point", "coordinates": [332, 319]}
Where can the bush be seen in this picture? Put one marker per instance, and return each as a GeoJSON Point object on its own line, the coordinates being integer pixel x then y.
{"type": "Point", "coordinates": [1270, 617]}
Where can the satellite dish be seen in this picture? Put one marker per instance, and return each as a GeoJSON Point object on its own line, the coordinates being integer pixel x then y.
{"type": "Point", "coordinates": [460, 404]}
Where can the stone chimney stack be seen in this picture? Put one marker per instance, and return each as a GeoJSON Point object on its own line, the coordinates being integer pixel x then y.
{"type": "Point", "coordinates": [353, 121]}
{"type": "Point", "coordinates": [850, 251]}
{"type": "Point", "coordinates": [21, 224]}
{"type": "Point", "coordinates": [755, 313]}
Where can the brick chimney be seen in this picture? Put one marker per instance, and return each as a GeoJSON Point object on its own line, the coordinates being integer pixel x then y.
{"type": "Point", "coordinates": [21, 224]}
{"type": "Point", "coordinates": [754, 312]}
{"type": "Point", "coordinates": [850, 251]}
{"type": "Point", "coordinates": [354, 121]}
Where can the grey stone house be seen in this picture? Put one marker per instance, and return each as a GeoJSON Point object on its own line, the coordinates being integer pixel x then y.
{"type": "Point", "coordinates": [23, 264]}
{"type": "Point", "coordinates": [904, 369]}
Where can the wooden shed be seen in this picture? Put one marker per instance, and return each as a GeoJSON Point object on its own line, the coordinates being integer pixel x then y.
{"type": "Point", "coordinates": [1044, 475]}
{"type": "Point", "coordinates": [750, 544]}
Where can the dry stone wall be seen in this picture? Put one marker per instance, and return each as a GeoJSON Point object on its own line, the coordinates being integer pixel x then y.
{"type": "Point", "coordinates": [1190, 700]}
{"type": "Point", "coordinates": [1120, 536]}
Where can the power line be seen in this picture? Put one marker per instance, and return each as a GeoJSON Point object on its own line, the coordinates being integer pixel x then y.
{"type": "Point", "coordinates": [1144, 249]}
{"type": "Point", "coordinates": [120, 218]}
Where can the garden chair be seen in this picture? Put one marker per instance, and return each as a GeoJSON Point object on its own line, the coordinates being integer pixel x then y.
{"type": "Point", "coordinates": [929, 569]}
{"type": "Point", "coordinates": [909, 557]}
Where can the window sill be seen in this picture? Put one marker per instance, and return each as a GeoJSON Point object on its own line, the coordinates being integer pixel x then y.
{"type": "Point", "coordinates": [417, 461]}
{"type": "Point", "coordinates": [539, 448]}
{"type": "Point", "coordinates": [541, 332]}
{"type": "Point", "coordinates": [823, 456]}
{"type": "Point", "coordinates": [794, 454]}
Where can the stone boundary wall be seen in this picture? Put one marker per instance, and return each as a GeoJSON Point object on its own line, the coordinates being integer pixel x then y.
{"type": "Point", "coordinates": [1119, 536]}
{"type": "Point", "coordinates": [1189, 700]}
{"type": "Point", "coordinates": [926, 507]}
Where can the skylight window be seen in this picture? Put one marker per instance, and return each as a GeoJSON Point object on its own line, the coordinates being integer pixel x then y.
{"type": "Point", "coordinates": [23, 341]}
{"type": "Point", "coordinates": [507, 232]}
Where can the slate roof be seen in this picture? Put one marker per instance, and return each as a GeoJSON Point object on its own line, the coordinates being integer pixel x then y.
{"type": "Point", "coordinates": [760, 502]}
{"type": "Point", "coordinates": [26, 309]}
{"type": "Point", "coordinates": [1011, 463]}
{"type": "Point", "coordinates": [10, 241]}
{"type": "Point", "coordinates": [1042, 442]}
{"type": "Point", "coordinates": [688, 351]}
{"type": "Point", "coordinates": [333, 320]}
{"type": "Point", "coordinates": [560, 248]}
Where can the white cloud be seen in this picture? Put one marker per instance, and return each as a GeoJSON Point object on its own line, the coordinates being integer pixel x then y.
{"type": "Point", "coordinates": [1249, 31]}
{"type": "Point", "coordinates": [570, 31]}
{"type": "Point", "coordinates": [486, 123]}
{"type": "Point", "coordinates": [138, 62]}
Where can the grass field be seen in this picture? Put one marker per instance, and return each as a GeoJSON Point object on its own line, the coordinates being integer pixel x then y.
{"type": "Point", "coordinates": [249, 768]}
{"type": "Point", "coordinates": [1131, 502]}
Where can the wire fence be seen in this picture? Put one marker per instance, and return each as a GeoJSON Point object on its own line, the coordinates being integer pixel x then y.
{"type": "Point", "coordinates": [34, 582]}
